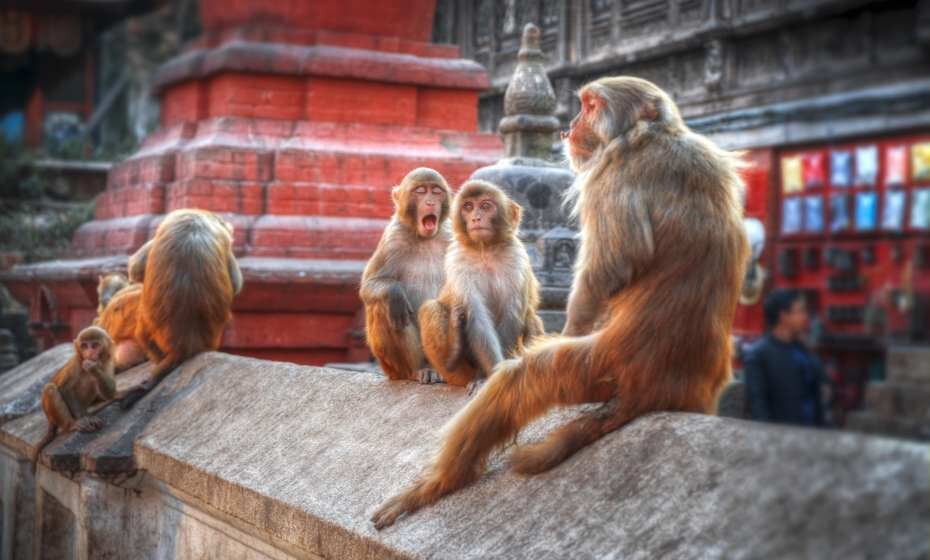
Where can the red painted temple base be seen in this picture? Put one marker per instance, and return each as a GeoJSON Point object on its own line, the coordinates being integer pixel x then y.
{"type": "Point", "coordinates": [294, 122]}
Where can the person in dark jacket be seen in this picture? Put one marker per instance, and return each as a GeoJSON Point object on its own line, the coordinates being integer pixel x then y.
{"type": "Point", "coordinates": [783, 379]}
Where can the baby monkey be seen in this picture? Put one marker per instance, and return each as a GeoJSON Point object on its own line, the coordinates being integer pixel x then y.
{"type": "Point", "coordinates": [87, 378]}
{"type": "Point", "coordinates": [108, 286]}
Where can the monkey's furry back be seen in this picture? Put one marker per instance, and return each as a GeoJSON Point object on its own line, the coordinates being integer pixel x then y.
{"type": "Point", "coordinates": [670, 201]}
{"type": "Point", "coordinates": [187, 286]}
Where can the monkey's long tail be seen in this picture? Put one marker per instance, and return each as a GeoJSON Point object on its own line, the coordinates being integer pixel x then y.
{"type": "Point", "coordinates": [164, 367]}
{"type": "Point", "coordinates": [47, 439]}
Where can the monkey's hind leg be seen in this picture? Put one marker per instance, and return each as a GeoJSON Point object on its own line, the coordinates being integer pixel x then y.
{"type": "Point", "coordinates": [520, 390]}
{"type": "Point", "coordinates": [566, 440]}
{"type": "Point", "coordinates": [441, 335]}
{"type": "Point", "coordinates": [398, 352]}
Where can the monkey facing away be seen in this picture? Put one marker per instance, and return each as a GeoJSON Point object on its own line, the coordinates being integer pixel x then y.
{"type": "Point", "coordinates": [404, 271]}
{"type": "Point", "coordinates": [486, 310]}
{"type": "Point", "coordinates": [656, 285]}
{"type": "Point", "coordinates": [108, 286]}
{"type": "Point", "coordinates": [190, 279]}
{"type": "Point", "coordinates": [87, 378]}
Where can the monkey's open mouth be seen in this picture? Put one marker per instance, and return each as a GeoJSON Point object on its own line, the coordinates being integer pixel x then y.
{"type": "Point", "coordinates": [429, 222]}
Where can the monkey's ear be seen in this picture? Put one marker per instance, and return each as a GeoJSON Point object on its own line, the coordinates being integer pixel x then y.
{"type": "Point", "coordinates": [516, 214]}
{"type": "Point", "coordinates": [395, 195]}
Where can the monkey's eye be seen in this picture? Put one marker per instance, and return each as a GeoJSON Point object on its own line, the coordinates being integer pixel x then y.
{"type": "Point", "coordinates": [487, 205]}
{"type": "Point", "coordinates": [420, 190]}
{"type": "Point", "coordinates": [468, 207]}
{"type": "Point", "coordinates": [437, 190]}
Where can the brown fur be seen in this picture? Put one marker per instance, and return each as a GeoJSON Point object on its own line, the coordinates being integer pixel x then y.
{"type": "Point", "coordinates": [404, 271]}
{"type": "Point", "coordinates": [486, 310]}
{"type": "Point", "coordinates": [85, 379]}
{"type": "Point", "coordinates": [190, 280]}
{"type": "Point", "coordinates": [119, 318]}
{"type": "Point", "coordinates": [662, 256]}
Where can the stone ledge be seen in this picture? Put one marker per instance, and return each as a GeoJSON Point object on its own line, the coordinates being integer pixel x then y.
{"type": "Point", "coordinates": [303, 456]}
{"type": "Point", "coordinates": [320, 60]}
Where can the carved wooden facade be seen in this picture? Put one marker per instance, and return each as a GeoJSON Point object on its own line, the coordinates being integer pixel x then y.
{"type": "Point", "coordinates": [716, 57]}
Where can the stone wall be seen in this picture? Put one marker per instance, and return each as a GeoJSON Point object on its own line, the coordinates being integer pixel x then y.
{"type": "Point", "coordinates": [749, 73]}
{"type": "Point", "coordinates": [241, 458]}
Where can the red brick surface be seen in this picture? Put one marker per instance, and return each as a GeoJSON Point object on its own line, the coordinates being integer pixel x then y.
{"type": "Point", "coordinates": [411, 19]}
{"type": "Point", "coordinates": [293, 120]}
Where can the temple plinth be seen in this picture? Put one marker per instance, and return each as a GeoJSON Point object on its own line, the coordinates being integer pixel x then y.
{"type": "Point", "coordinates": [293, 120]}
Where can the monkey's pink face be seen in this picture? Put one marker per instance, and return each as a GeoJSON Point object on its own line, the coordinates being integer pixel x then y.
{"type": "Point", "coordinates": [480, 214]}
{"type": "Point", "coordinates": [90, 350]}
{"type": "Point", "coordinates": [580, 140]}
{"type": "Point", "coordinates": [429, 199]}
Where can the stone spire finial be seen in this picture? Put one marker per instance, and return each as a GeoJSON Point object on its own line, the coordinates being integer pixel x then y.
{"type": "Point", "coordinates": [529, 124]}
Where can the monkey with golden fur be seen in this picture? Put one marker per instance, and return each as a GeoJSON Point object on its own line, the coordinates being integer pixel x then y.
{"type": "Point", "coordinates": [404, 271]}
{"type": "Point", "coordinates": [107, 287]}
{"type": "Point", "coordinates": [656, 285]}
{"type": "Point", "coordinates": [119, 318]}
{"type": "Point", "coordinates": [189, 280]}
{"type": "Point", "coordinates": [87, 378]}
{"type": "Point", "coordinates": [486, 310]}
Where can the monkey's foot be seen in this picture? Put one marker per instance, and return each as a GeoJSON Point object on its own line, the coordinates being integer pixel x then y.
{"type": "Point", "coordinates": [409, 501]}
{"type": "Point", "coordinates": [89, 424]}
{"type": "Point", "coordinates": [475, 385]}
{"type": "Point", "coordinates": [427, 376]}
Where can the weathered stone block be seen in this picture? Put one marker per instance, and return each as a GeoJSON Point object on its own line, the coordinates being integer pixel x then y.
{"type": "Point", "coordinates": [908, 364]}
{"type": "Point", "coordinates": [892, 426]}
{"type": "Point", "coordinates": [302, 480]}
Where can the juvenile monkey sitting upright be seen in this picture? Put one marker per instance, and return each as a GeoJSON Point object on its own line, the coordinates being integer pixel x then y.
{"type": "Point", "coordinates": [486, 311]}
{"type": "Point", "coordinates": [404, 271]}
{"type": "Point", "coordinates": [85, 379]}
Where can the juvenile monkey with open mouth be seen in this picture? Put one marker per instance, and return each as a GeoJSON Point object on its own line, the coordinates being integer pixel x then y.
{"type": "Point", "coordinates": [404, 271]}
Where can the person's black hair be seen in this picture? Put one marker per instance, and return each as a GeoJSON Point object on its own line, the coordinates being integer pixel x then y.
{"type": "Point", "coordinates": [778, 302]}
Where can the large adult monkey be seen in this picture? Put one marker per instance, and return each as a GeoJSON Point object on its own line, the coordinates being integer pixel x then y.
{"type": "Point", "coordinates": [662, 257]}
{"type": "Point", "coordinates": [486, 310]}
{"type": "Point", "coordinates": [190, 279]}
{"type": "Point", "coordinates": [404, 271]}
{"type": "Point", "coordinates": [85, 379]}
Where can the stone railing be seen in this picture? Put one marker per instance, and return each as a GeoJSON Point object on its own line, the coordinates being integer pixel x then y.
{"type": "Point", "coordinates": [235, 457]}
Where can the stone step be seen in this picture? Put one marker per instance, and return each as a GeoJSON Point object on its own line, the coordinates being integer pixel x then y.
{"type": "Point", "coordinates": [892, 426]}
{"type": "Point", "coordinates": [908, 364]}
{"type": "Point", "coordinates": [898, 399]}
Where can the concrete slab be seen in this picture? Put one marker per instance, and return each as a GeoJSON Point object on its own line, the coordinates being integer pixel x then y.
{"type": "Point", "coordinates": [21, 387]}
{"type": "Point", "coordinates": [305, 455]}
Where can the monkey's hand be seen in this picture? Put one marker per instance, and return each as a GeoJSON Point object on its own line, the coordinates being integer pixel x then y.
{"type": "Point", "coordinates": [399, 308]}
{"type": "Point", "coordinates": [458, 315]}
{"type": "Point", "coordinates": [90, 366]}
{"type": "Point", "coordinates": [89, 424]}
